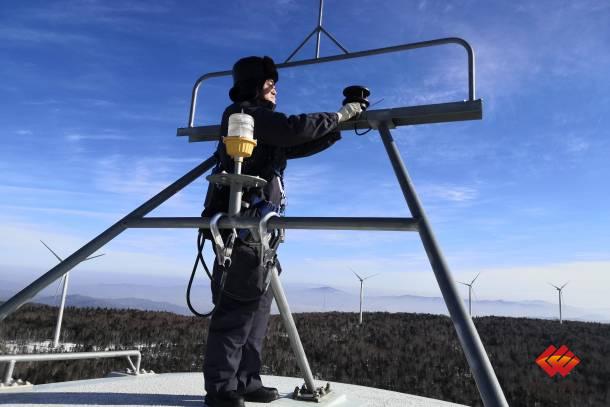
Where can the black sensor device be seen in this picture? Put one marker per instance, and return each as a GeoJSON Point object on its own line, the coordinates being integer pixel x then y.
{"type": "Point", "coordinates": [357, 93]}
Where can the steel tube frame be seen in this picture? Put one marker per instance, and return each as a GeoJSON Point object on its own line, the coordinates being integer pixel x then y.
{"type": "Point", "coordinates": [236, 192]}
{"type": "Point", "coordinates": [313, 223]}
{"type": "Point", "coordinates": [13, 359]}
{"type": "Point", "coordinates": [481, 368]}
{"type": "Point", "coordinates": [318, 29]}
{"type": "Point", "coordinates": [135, 220]}
{"type": "Point", "coordinates": [293, 334]}
{"type": "Point", "coordinates": [8, 374]}
{"type": "Point", "coordinates": [81, 254]}
{"type": "Point", "coordinates": [131, 364]}
{"type": "Point", "coordinates": [315, 30]}
{"type": "Point", "coordinates": [333, 39]}
{"type": "Point", "coordinates": [350, 55]}
{"type": "Point", "coordinates": [400, 116]}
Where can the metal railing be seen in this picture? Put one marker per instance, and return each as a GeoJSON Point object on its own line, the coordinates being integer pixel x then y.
{"type": "Point", "coordinates": [13, 359]}
{"type": "Point", "coordinates": [350, 55]}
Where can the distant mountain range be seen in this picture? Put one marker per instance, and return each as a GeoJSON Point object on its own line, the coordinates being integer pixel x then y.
{"type": "Point", "coordinates": [331, 299]}
{"type": "Point", "coordinates": [82, 301]}
{"type": "Point", "coordinates": [171, 298]}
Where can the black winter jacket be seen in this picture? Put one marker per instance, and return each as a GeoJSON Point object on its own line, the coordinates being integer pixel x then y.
{"type": "Point", "coordinates": [280, 137]}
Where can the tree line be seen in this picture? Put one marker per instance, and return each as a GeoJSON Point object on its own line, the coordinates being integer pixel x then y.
{"type": "Point", "coordinates": [412, 353]}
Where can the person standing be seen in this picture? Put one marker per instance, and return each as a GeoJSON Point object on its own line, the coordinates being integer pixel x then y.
{"type": "Point", "coordinates": [232, 359]}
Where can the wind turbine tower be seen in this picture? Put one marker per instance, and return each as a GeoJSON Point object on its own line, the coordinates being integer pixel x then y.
{"type": "Point", "coordinates": [63, 295]}
{"type": "Point", "coordinates": [559, 292]}
{"type": "Point", "coordinates": [470, 293]}
{"type": "Point", "coordinates": [362, 291]}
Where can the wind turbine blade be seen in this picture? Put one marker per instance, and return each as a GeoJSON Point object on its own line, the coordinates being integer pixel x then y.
{"type": "Point", "coordinates": [366, 278]}
{"type": "Point", "coordinates": [359, 278]}
{"type": "Point", "coordinates": [564, 285]}
{"type": "Point", "coordinates": [51, 250]}
{"type": "Point", "coordinates": [472, 282]}
{"type": "Point", "coordinates": [93, 257]}
{"type": "Point", "coordinates": [553, 285]}
{"type": "Point", "coordinates": [464, 283]}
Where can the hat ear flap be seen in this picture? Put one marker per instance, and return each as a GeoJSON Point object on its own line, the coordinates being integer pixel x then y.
{"type": "Point", "coordinates": [270, 69]}
{"type": "Point", "coordinates": [246, 90]}
{"type": "Point", "coordinates": [234, 93]}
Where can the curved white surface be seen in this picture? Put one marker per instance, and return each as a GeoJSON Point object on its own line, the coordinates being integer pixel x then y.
{"type": "Point", "coordinates": [186, 389]}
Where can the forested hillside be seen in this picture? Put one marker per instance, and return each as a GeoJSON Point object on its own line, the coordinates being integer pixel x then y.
{"type": "Point", "coordinates": [412, 353]}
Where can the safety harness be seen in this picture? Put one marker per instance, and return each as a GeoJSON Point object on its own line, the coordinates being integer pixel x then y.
{"type": "Point", "coordinates": [265, 242]}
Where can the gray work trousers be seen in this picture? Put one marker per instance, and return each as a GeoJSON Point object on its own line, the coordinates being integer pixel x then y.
{"type": "Point", "coordinates": [232, 359]}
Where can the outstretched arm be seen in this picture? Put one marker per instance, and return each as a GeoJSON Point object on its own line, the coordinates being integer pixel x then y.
{"type": "Point", "coordinates": [312, 147]}
{"type": "Point", "coordinates": [280, 130]}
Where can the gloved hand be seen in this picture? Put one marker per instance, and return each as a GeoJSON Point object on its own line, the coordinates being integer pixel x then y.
{"type": "Point", "coordinates": [348, 111]}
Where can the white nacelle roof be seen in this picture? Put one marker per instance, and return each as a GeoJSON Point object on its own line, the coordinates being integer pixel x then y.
{"type": "Point", "coordinates": [186, 389]}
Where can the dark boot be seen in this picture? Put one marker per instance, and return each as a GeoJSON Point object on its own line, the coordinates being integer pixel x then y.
{"type": "Point", "coordinates": [262, 395]}
{"type": "Point", "coordinates": [224, 399]}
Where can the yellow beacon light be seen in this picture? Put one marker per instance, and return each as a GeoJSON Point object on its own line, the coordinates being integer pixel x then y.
{"type": "Point", "coordinates": [240, 136]}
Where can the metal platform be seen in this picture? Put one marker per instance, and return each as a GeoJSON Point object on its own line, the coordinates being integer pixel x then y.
{"type": "Point", "coordinates": [186, 389]}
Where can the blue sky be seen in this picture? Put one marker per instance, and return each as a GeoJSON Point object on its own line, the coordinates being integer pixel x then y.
{"type": "Point", "coordinates": [92, 93]}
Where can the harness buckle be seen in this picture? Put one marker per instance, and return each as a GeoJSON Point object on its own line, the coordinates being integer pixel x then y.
{"type": "Point", "coordinates": [268, 244]}
{"type": "Point", "coordinates": [268, 241]}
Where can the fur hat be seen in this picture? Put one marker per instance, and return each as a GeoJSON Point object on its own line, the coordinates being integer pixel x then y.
{"type": "Point", "coordinates": [249, 74]}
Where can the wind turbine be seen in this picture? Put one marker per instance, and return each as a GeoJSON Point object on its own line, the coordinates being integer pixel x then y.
{"type": "Point", "coordinates": [361, 291]}
{"type": "Point", "coordinates": [470, 293]}
{"type": "Point", "coordinates": [559, 291]}
{"type": "Point", "coordinates": [63, 295]}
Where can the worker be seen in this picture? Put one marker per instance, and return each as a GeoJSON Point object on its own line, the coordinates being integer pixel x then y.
{"type": "Point", "coordinates": [232, 360]}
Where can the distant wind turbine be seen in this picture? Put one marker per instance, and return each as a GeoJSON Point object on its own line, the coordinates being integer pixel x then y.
{"type": "Point", "coordinates": [63, 295]}
{"type": "Point", "coordinates": [361, 291]}
{"type": "Point", "coordinates": [470, 293]}
{"type": "Point", "coordinates": [559, 291]}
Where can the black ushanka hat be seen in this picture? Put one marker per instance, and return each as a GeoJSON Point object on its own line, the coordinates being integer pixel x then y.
{"type": "Point", "coordinates": [249, 74]}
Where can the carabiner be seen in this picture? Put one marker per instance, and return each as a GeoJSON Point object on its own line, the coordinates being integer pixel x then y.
{"type": "Point", "coordinates": [223, 252]}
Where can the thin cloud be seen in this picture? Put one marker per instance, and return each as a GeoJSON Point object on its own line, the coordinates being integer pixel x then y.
{"type": "Point", "coordinates": [41, 36]}
{"type": "Point", "coordinates": [144, 177]}
{"type": "Point", "coordinates": [81, 137]}
{"type": "Point", "coordinates": [80, 13]}
{"type": "Point", "coordinates": [39, 192]}
{"type": "Point", "coordinates": [61, 211]}
{"type": "Point", "coordinates": [451, 193]}
{"type": "Point", "coordinates": [577, 145]}
{"type": "Point", "coordinates": [135, 180]}
{"type": "Point", "coordinates": [45, 102]}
